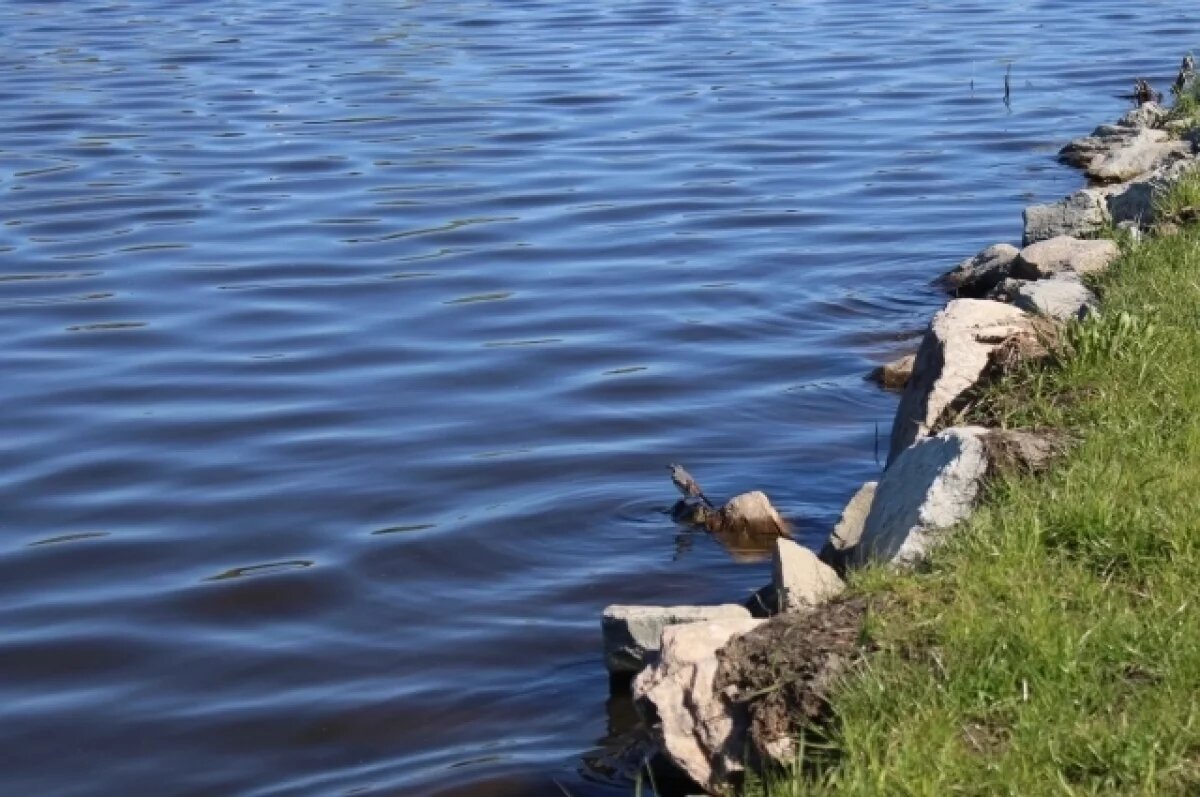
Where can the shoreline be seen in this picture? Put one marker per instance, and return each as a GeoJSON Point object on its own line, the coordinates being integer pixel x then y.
{"type": "Point", "coordinates": [725, 690]}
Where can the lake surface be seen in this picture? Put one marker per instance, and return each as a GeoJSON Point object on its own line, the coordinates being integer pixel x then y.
{"type": "Point", "coordinates": [344, 345]}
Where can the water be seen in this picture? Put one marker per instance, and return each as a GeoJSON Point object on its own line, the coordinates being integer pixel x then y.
{"type": "Point", "coordinates": [345, 343]}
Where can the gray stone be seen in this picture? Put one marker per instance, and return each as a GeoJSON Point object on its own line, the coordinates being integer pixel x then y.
{"type": "Point", "coordinates": [931, 486]}
{"type": "Point", "coordinates": [634, 633]}
{"type": "Point", "coordinates": [954, 355]}
{"type": "Point", "coordinates": [977, 275]}
{"type": "Point", "coordinates": [1047, 258]}
{"type": "Point", "coordinates": [1083, 213]}
{"type": "Point", "coordinates": [1137, 201]}
{"type": "Point", "coordinates": [849, 528]}
{"type": "Point", "coordinates": [802, 581]}
{"type": "Point", "coordinates": [1146, 151]}
{"type": "Point", "coordinates": [1063, 297]}
{"type": "Point", "coordinates": [1115, 153]}
{"type": "Point", "coordinates": [699, 729]}
{"type": "Point", "coordinates": [1148, 114]}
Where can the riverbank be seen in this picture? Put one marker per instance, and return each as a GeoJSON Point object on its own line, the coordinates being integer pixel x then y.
{"type": "Point", "coordinates": [1050, 646]}
{"type": "Point", "coordinates": [1015, 612]}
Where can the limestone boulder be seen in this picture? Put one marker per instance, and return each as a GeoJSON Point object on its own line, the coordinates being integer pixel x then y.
{"type": "Point", "coordinates": [749, 514]}
{"type": "Point", "coordinates": [977, 275]}
{"type": "Point", "coordinates": [1116, 153]}
{"type": "Point", "coordinates": [849, 528]}
{"type": "Point", "coordinates": [894, 375]}
{"type": "Point", "coordinates": [1148, 114]}
{"type": "Point", "coordinates": [1137, 202]}
{"type": "Point", "coordinates": [1063, 253]}
{"type": "Point", "coordinates": [633, 634]}
{"type": "Point", "coordinates": [931, 486]}
{"type": "Point", "coordinates": [1062, 298]}
{"type": "Point", "coordinates": [695, 725]}
{"type": "Point", "coordinates": [801, 580]}
{"type": "Point", "coordinates": [1082, 214]}
{"type": "Point", "coordinates": [954, 356]}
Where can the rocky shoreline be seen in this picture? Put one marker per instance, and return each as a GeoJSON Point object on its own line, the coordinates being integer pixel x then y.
{"type": "Point", "coordinates": [720, 689]}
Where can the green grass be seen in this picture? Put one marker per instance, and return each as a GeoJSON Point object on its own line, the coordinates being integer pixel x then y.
{"type": "Point", "coordinates": [1053, 646]}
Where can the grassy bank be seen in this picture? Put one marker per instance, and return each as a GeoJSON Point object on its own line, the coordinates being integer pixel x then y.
{"type": "Point", "coordinates": [1053, 647]}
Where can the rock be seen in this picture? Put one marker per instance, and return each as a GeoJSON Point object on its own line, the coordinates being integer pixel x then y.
{"type": "Point", "coordinates": [750, 513]}
{"type": "Point", "coordinates": [849, 527]}
{"type": "Point", "coordinates": [802, 581]}
{"type": "Point", "coordinates": [954, 355]}
{"type": "Point", "coordinates": [1082, 214]}
{"type": "Point", "coordinates": [1047, 258]}
{"type": "Point", "coordinates": [1148, 114]}
{"type": "Point", "coordinates": [633, 633]}
{"type": "Point", "coordinates": [695, 725]}
{"type": "Point", "coordinates": [783, 673]}
{"type": "Point", "coordinates": [894, 375]}
{"type": "Point", "coordinates": [1146, 151]}
{"type": "Point", "coordinates": [931, 486]}
{"type": "Point", "coordinates": [1018, 450]}
{"type": "Point", "coordinates": [1063, 297]}
{"type": "Point", "coordinates": [1115, 153]}
{"type": "Point", "coordinates": [1137, 201]}
{"type": "Point", "coordinates": [977, 275]}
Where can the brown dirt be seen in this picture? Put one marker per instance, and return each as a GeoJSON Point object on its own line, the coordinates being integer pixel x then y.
{"type": "Point", "coordinates": [783, 670]}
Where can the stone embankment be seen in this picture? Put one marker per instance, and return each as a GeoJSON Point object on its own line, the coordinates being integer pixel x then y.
{"type": "Point", "coordinates": [724, 688]}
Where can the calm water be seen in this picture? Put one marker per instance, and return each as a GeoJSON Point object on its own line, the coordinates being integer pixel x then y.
{"type": "Point", "coordinates": [345, 343]}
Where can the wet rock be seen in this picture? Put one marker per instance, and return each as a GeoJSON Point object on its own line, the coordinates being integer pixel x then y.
{"type": "Point", "coordinates": [1148, 114]}
{"type": "Point", "coordinates": [749, 514]}
{"type": "Point", "coordinates": [1063, 297]}
{"type": "Point", "coordinates": [632, 634]}
{"type": "Point", "coordinates": [977, 275]}
{"type": "Point", "coordinates": [849, 528]}
{"type": "Point", "coordinates": [1115, 153]}
{"type": "Point", "coordinates": [955, 354]}
{"type": "Point", "coordinates": [1063, 253]}
{"type": "Point", "coordinates": [1137, 201]}
{"type": "Point", "coordinates": [894, 375]}
{"type": "Point", "coordinates": [783, 673]}
{"type": "Point", "coordinates": [695, 725]}
{"type": "Point", "coordinates": [1082, 214]}
{"type": "Point", "coordinates": [931, 486]}
{"type": "Point", "coordinates": [801, 580]}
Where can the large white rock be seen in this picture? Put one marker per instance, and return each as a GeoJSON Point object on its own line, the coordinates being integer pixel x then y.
{"type": "Point", "coordinates": [802, 581]}
{"type": "Point", "coordinates": [849, 528]}
{"type": "Point", "coordinates": [1063, 253]}
{"type": "Point", "coordinates": [954, 355]}
{"type": "Point", "coordinates": [977, 275]}
{"type": "Point", "coordinates": [1082, 214]}
{"type": "Point", "coordinates": [931, 486]}
{"type": "Point", "coordinates": [633, 634]}
{"type": "Point", "coordinates": [701, 731]}
{"type": "Point", "coordinates": [1062, 298]}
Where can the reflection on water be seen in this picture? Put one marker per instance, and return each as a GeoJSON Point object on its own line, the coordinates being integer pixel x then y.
{"type": "Point", "coordinates": [345, 344]}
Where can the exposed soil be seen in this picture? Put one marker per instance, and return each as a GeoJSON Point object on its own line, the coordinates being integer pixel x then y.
{"type": "Point", "coordinates": [784, 670]}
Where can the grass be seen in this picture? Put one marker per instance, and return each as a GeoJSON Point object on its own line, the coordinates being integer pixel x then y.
{"type": "Point", "coordinates": [1052, 647]}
